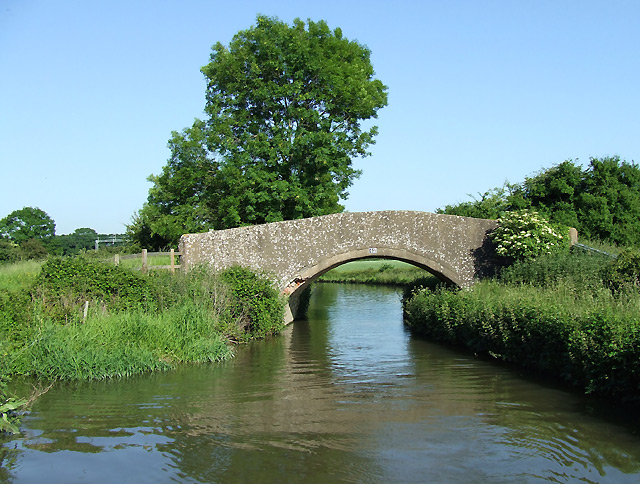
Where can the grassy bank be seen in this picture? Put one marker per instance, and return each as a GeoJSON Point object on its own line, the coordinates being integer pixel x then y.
{"type": "Point", "coordinates": [376, 271]}
{"type": "Point", "coordinates": [82, 319]}
{"type": "Point", "coordinates": [563, 315]}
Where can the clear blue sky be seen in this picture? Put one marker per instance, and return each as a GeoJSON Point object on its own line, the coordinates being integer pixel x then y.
{"type": "Point", "coordinates": [479, 92]}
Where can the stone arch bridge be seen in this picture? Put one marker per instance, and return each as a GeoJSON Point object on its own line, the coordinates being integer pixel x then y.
{"type": "Point", "coordinates": [296, 252]}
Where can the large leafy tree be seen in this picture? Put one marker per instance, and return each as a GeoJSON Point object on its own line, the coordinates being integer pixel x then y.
{"type": "Point", "coordinates": [27, 223]}
{"type": "Point", "coordinates": [284, 112]}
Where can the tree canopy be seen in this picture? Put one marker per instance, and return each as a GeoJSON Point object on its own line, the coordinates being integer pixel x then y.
{"type": "Point", "coordinates": [284, 112]}
{"type": "Point", "coordinates": [27, 223]}
{"type": "Point", "coordinates": [602, 201]}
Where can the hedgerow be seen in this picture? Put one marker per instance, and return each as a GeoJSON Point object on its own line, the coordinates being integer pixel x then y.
{"type": "Point", "coordinates": [547, 315]}
{"type": "Point", "coordinates": [65, 284]}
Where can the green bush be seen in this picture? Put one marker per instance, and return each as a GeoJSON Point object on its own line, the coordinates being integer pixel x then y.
{"type": "Point", "coordinates": [9, 251]}
{"type": "Point", "coordinates": [134, 323]}
{"type": "Point", "coordinates": [580, 270]}
{"type": "Point", "coordinates": [65, 284]}
{"type": "Point", "coordinates": [257, 307]}
{"type": "Point", "coordinates": [33, 249]}
{"type": "Point", "coordinates": [624, 271]}
{"type": "Point", "coordinates": [428, 282]}
{"type": "Point", "coordinates": [16, 314]}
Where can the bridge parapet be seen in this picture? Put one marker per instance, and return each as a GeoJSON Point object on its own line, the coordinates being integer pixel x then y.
{"type": "Point", "coordinates": [295, 252]}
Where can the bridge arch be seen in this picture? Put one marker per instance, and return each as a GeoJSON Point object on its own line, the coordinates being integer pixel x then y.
{"type": "Point", "coordinates": [295, 252]}
{"type": "Point", "coordinates": [310, 274]}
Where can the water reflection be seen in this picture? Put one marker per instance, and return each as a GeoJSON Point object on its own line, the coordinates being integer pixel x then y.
{"type": "Point", "coordinates": [348, 396]}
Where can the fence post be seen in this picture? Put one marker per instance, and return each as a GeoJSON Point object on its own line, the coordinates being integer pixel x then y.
{"type": "Point", "coordinates": [173, 261]}
{"type": "Point", "coordinates": [573, 236]}
{"type": "Point", "coordinates": [144, 261]}
{"type": "Point", "coordinates": [116, 259]}
{"type": "Point", "coordinates": [85, 311]}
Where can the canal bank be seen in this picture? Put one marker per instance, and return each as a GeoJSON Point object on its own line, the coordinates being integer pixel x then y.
{"type": "Point", "coordinates": [572, 316]}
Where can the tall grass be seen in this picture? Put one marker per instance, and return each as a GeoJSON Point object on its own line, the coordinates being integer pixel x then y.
{"type": "Point", "coordinates": [152, 260]}
{"type": "Point", "coordinates": [18, 275]}
{"type": "Point", "coordinates": [121, 344]}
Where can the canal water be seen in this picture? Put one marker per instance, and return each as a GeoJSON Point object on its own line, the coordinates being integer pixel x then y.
{"type": "Point", "coordinates": [347, 396]}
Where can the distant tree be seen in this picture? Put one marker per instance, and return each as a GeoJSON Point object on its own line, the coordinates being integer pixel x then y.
{"type": "Point", "coordinates": [284, 108]}
{"type": "Point", "coordinates": [490, 204]}
{"type": "Point", "coordinates": [27, 223]}
{"type": "Point", "coordinates": [602, 200]}
{"type": "Point", "coordinates": [554, 192]}
{"type": "Point", "coordinates": [81, 239]}
{"type": "Point", "coordinates": [33, 249]}
{"type": "Point", "coordinates": [88, 235]}
{"type": "Point", "coordinates": [144, 231]}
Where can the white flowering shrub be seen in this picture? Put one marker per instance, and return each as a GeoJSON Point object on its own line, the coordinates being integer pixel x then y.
{"type": "Point", "coordinates": [525, 235]}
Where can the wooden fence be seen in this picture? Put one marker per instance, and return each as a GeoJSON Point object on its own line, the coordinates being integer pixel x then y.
{"type": "Point", "coordinates": [145, 267]}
